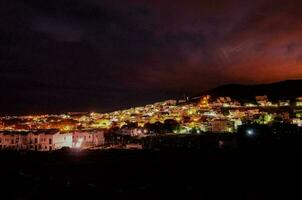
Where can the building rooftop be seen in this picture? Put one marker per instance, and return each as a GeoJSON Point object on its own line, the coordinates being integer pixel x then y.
{"type": "Point", "coordinates": [36, 131]}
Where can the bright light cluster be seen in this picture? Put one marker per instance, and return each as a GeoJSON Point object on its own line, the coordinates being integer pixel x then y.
{"type": "Point", "coordinates": [222, 114]}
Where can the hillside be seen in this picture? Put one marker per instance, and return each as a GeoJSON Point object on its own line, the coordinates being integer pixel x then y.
{"type": "Point", "coordinates": [278, 90]}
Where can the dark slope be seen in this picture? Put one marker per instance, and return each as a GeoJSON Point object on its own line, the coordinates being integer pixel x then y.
{"type": "Point", "coordinates": [283, 89]}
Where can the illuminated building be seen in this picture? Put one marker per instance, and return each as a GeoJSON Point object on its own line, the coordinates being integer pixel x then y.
{"type": "Point", "coordinates": [299, 101]}
{"type": "Point", "coordinates": [297, 121]}
{"type": "Point", "coordinates": [221, 126]}
{"type": "Point", "coordinates": [134, 132]}
{"type": "Point", "coordinates": [204, 101]}
{"type": "Point", "coordinates": [38, 140]}
{"type": "Point", "coordinates": [87, 138]}
{"type": "Point", "coordinates": [13, 140]}
{"type": "Point", "coordinates": [284, 103]}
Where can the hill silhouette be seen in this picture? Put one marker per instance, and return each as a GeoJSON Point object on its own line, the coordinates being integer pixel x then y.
{"type": "Point", "coordinates": [280, 90]}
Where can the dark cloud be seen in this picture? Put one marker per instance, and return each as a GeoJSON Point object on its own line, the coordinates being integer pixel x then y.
{"type": "Point", "coordinates": [101, 55]}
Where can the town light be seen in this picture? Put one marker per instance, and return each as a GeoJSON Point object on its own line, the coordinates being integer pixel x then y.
{"type": "Point", "coordinates": [250, 132]}
{"type": "Point", "coordinates": [79, 143]}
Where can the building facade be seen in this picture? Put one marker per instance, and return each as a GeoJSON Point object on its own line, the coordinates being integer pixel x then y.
{"type": "Point", "coordinates": [88, 138]}
{"type": "Point", "coordinates": [37, 140]}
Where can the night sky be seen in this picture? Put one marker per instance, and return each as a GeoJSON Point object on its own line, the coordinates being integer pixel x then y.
{"type": "Point", "coordinates": [94, 55]}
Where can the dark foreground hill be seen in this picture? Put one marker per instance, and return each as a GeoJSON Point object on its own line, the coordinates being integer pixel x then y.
{"type": "Point", "coordinates": [278, 90]}
{"type": "Point", "coordinates": [150, 175]}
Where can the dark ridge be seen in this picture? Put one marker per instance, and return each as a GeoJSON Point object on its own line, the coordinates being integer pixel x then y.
{"type": "Point", "coordinates": [280, 90]}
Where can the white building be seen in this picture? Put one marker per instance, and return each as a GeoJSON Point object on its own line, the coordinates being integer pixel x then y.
{"type": "Point", "coordinates": [134, 132]}
{"type": "Point", "coordinates": [87, 138]}
{"type": "Point", "coordinates": [38, 140]}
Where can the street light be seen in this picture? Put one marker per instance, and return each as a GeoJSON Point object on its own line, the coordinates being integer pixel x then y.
{"type": "Point", "coordinates": [250, 132]}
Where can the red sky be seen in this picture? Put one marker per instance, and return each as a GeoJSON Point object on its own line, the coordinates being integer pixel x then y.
{"type": "Point", "coordinates": [101, 55]}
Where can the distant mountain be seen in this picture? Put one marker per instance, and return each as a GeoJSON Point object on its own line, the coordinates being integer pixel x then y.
{"type": "Point", "coordinates": [278, 90]}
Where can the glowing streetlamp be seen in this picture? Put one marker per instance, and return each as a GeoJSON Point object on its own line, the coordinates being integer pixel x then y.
{"type": "Point", "coordinates": [250, 132]}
